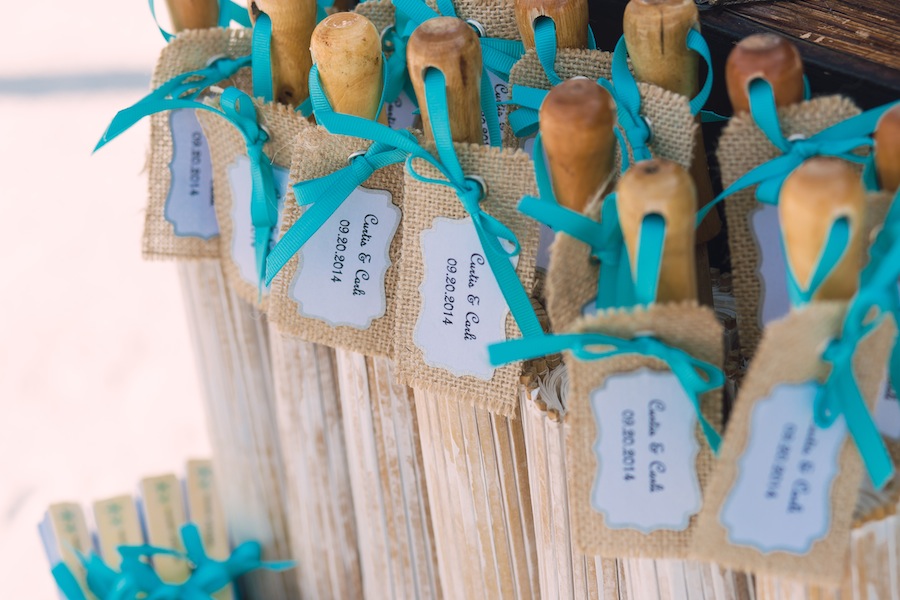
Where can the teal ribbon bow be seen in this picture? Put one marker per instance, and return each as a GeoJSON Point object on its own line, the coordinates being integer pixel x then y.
{"type": "Point", "coordinates": [632, 129]}
{"type": "Point", "coordinates": [181, 91]}
{"type": "Point", "coordinates": [470, 192]}
{"type": "Point", "coordinates": [697, 377]}
{"type": "Point", "coordinates": [138, 579]}
{"type": "Point", "coordinates": [841, 140]}
{"type": "Point", "coordinates": [614, 284]}
{"type": "Point", "coordinates": [228, 11]}
{"type": "Point", "coordinates": [325, 194]}
{"type": "Point", "coordinates": [499, 55]}
{"type": "Point", "coordinates": [840, 394]}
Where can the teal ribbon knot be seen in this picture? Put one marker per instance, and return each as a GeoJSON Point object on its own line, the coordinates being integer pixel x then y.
{"type": "Point", "coordinates": [137, 577]}
{"type": "Point", "coordinates": [697, 377]}
{"type": "Point", "coordinates": [842, 140]}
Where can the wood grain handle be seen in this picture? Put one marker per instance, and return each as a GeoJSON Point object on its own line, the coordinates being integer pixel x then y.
{"type": "Point", "coordinates": [570, 17]}
{"type": "Point", "coordinates": [577, 120]}
{"type": "Point", "coordinates": [662, 187]}
{"type": "Point", "coordinates": [818, 193]}
{"type": "Point", "coordinates": [293, 22]}
{"type": "Point", "coordinates": [451, 46]}
{"type": "Point", "coordinates": [193, 14]}
{"type": "Point", "coordinates": [771, 57]}
{"type": "Point", "coordinates": [346, 48]}
{"type": "Point", "coordinates": [887, 150]}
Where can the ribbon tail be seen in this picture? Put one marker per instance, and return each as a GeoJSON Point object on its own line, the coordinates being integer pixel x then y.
{"type": "Point", "coordinates": [67, 582]}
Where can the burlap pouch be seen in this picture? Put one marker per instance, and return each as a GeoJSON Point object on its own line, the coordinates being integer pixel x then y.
{"type": "Point", "coordinates": [789, 354]}
{"type": "Point", "coordinates": [227, 146]}
{"type": "Point", "coordinates": [572, 277]}
{"type": "Point", "coordinates": [380, 12]}
{"type": "Point", "coordinates": [317, 154]}
{"type": "Point", "coordinates": [190, 51]}
{"type": "Point", "coordinates": [686, 326]}
{"type": "Point", "coordinates": [742, 147]}
{"type": "Point", "coordinates": [508, 176]}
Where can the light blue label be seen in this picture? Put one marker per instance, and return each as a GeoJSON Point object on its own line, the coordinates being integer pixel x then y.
{"type": "Point", "coordinates": [189, 206]}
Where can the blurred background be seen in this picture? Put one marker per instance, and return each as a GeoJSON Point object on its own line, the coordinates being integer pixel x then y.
{"type": "Point", "coordinates": [97, 383]}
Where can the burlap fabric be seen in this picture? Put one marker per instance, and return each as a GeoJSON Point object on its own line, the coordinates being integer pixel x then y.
{"type": "Point", "coordinates": [190, 51]}
{"type": "Point", "coordinates": [742, 147]}
{"type": "Point", "coordinates": [687, 326]}
{"type": "Point", "coordinates": [380, 12]}
{"type": "Point", "coordinates": [789, 353]}
{"type": "Point", "coordinates": [317, 154]}
{"type": "Point", "coordinates": [509, 175]}
{"type": "Point", "coordinates": [498, 17]}
{"type": "Point", "coordinates": [572, 277]}
{"type": "Point", "coordinates": [226, 145]}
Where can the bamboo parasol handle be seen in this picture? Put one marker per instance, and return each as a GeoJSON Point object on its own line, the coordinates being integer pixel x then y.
{"type": "Point", "coordinates": [450, 45]}
{"type": "Point", "coordinates": [577, 120]}
{"type": "Point", "coordinates": [193, 14]}
{"type": "Point", "coordinates": [662, 187]}
{"type": "Point", "coordinates": [570, 17]}
{"type": "Point", "coordinates": [887, 150]}
{"type": "Point", "coordinates": [346, 48]}
{"type": "Point", "coordinates": [819, 192]}
{"type": "Point", "coordinates": [771, 57]}
{"type": "Point", "coordinates": [293, 22]}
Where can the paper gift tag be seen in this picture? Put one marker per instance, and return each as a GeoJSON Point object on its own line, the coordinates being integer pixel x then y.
{"type": "Point", "coordinates": [340, 278]}
{"type": "Point", "coordinates": [243, 248]}
{"type": "Point", "coordinates": [189, 205]}
{"type": "Point", "coordinates": [401, 113]}
{"type": "Point", "coordinates": [782, 497]}
{"type": "Point", "coordinates": [887, 411]}
{"type": "Point", "coordinates": [637, 458]}
{"type": "Point", "coordinates": [646, 452]}
{"type": "Point", "coordinates": [772, 271]}
{"type": "Point", "coordinates": [463, 309]}
{"type": "Point", "coordinates": [501, 94]}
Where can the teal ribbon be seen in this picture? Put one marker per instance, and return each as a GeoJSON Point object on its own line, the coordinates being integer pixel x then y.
{"type": "Point", "coordinates": [840, 394]}
{"type": "Point", "coordinates": [498, 55]}
{"type": "Point", "coordinates": [393, 44]}
{"type": "Point", "coordinates": [138, 579]}
{"type": "Point", "coordinates": [614, 285]}
{"type": "Point", "coordinates": [181, 91]}
{"type": "Point", "coordinates": [324, 195]}
{"type": "Point", "coordinates": [470, 192]}
{"type": "Point", "coordinates": [631, 126]}
{"type": "Point", "coordinates": [697, 377]}
{"type": "Point", "coordinates": [841, 140]}
{"type": "Point", "coordinates": [228, 11]}
{"type": "Point", "coordinates": [545, 45]}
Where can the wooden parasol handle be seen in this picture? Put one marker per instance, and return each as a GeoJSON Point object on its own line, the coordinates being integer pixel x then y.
{"type": "Point", "coordinates": [451, 46]}
{"type": "Point", "coordinates": [193, 14]}
{"type": "Point", "coordinates": [819, 192]}
{"type": "Point", "coordinates": [663, 188]}
{"type": "Point", "coordinates": [293, 22]}
{"type": "Point", "coordinates": [570, 17]}
{"type": "Point", "coordinates": [887, 150]}
{"type": "Point", "coordinates": [771, 57]}
{"type": "Point", "coordinates": [346, 48]}
{"type": "Point", "coordinates": [577, 120]}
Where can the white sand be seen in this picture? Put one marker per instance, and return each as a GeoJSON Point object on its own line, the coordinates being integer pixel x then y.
{"type": "Point", "coordinates": [97, 384]}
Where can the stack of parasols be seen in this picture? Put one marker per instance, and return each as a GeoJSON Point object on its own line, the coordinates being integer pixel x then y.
{"type": "Point", "coordinates": [530, 346]}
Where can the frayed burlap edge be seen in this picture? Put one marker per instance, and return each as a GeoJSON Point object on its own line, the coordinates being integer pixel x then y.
{"type": "Point", "coordinates": [789, 353]}
{"type": "Point", "coordinates": [742, 147]}
{"type": "Point", "coordinates": [189, 51]}
{"type": "Point", "coordinates": [317, 154]}
{"type": "Point", "coordinates": [509, 175]}
{"type": "Point", "coordinates": [572, 276]}
{"type": "Point", "coordinates": [688, 326]}
{"type": "Point", "coordinates": [226, 144]}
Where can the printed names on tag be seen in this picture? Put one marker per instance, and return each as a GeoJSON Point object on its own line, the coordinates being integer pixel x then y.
{"type": "Point", "coordinates": [401, 113]}
{"type": "Point", "coordinates": [766, 227]}
{"type": "Point", "coordinates": [189, 206]}
{"type": "Point", "coordinates": [781, 497]}
{"type": "Point", "coordinates": [243, 244]}
{"type": "Point", "coordinates": [501, 94]}
{"type": "Point", "coordinates": [463, 309]}
{"type": "Point", "coordinates": [646, 450]}
{"type": "Point", "coordinates": [342, 269]}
